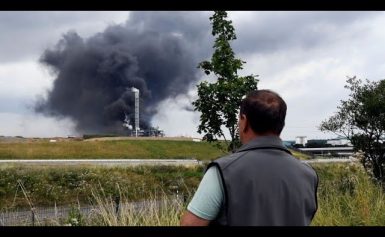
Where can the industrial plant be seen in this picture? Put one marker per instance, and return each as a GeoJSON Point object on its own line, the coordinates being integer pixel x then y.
{"type": "Point", "coordinates": [135, 131]}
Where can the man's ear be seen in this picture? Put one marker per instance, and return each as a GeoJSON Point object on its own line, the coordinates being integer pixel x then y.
{"type": "Point", "coordinates": [245, 122]}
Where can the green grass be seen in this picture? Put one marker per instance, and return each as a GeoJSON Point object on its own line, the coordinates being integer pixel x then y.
{"type": "Point", "coordinates": [158, 210]}
{"type": "Point", "coordinates": [119, 149]}
{"type": "Point", "coordinates": [49, 186]}
{"type": "Point", "coordinates": [300, 155]}
{"type": "Point", "coordinates": [348, 197]}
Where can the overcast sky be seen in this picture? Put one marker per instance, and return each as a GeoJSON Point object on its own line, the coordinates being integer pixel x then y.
{"type": "Point", "coordinates": [304, 56]}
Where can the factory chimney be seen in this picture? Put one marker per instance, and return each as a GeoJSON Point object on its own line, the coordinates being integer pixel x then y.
{"type": "Point", "coordinates": [136, 93]}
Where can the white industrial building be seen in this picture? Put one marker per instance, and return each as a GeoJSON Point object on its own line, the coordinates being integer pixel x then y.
{"type": "Point", "coordinates": [301, 140]}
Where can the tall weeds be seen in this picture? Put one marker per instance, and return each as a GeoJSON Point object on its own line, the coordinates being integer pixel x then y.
{"type": "Point", "coordinates": [157, 209]}
{"type": "Point", "coordinates": [348, 197]}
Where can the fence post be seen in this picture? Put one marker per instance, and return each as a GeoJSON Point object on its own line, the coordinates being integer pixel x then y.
{"type": "Point", "coordinates": [117, 204]}
{"type": "Point", "coordinates": [33, 216]}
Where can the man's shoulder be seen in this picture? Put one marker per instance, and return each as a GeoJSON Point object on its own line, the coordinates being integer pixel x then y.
{"type": "Point", "coordinates": [228, 159]}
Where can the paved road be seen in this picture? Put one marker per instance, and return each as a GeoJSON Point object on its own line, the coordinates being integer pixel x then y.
{"type": "Point", "coordinates": [107, 162]}
{"type": "Point", "coordinates": [133, 162]}
{"type": "Point", "coordinates": [331, 160]}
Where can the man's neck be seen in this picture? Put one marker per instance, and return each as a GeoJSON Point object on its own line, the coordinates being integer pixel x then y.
{"type": "Point", "coordinates": [252, 135]}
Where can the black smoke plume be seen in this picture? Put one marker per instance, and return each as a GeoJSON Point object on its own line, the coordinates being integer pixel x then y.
{"type": "Point", "coordinates": [94, 76]}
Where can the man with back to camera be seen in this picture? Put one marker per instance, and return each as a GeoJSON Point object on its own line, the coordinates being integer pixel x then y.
{"type": "Point", "coordinates": [261, 184]}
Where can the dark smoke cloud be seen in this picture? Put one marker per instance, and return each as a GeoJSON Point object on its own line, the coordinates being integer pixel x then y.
{"type": "Point", "coordinates": [94, 75]}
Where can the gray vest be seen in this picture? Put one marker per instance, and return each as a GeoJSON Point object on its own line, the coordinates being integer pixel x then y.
{"type": "Point", "coordinates": [266, 186]}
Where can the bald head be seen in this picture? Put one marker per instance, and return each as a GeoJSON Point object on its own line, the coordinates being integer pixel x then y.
{"type": "Point", "coordinates": [265, 111]}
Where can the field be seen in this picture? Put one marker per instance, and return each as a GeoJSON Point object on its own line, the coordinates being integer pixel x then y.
{"type": "Point", "coordinates": [49, 186]}
{"type": "Point", "coordinates": [346, 194]}
{"type": "Point", "coordinates": [112, 148]}
{"type": "Point", "coordinates": [117, 149]}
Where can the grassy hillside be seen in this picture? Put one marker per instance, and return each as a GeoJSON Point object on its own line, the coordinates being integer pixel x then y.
{"type": "Point", "coordinates": [120, 149]}
{"type": "Point", "coordinates": [114, 149]}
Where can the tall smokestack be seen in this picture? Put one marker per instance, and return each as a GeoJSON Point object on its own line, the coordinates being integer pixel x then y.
{"type": "Point", "coordinates": [136, 93]}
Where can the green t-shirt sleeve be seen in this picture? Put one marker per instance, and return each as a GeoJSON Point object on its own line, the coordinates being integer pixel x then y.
{"type": "Point", "coordinates": [208, 199]}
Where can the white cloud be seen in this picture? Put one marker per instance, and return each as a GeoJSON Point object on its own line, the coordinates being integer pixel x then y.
{"type": "Point", "coordinates": [23, 79]}
{"type": "Point", "coordinates": [175, 119]}
{"type": "Point", "coordinates": [31, 125]}
{"type": "Point", "coordinates": [312, 80]}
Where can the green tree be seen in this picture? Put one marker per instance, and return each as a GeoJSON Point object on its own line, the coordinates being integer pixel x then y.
{"type": "Point", "coordinates": [361, 119]}
{"type": "Point", "coordinates": [219, 102]}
